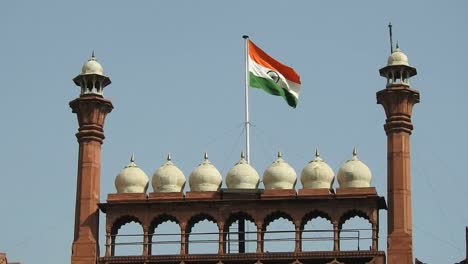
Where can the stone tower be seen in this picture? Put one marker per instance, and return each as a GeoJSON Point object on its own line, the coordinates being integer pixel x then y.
{"type": "Point", "coordinates": [398, 99]}
{"type": "Point", "coordinates": [91, 108]}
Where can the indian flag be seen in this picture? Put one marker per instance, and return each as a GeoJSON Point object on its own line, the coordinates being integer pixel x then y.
{"type": "Point", "coordinates": [272, 76]}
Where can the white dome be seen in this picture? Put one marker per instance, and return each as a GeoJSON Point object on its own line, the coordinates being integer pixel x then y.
{"type": "Point", "coordinates": [131, 179]}
{"type": "Point", "coordinates": [168, 178]}
{"type": "Point", "coordinates": [92, 66]}
{"type": "Point", "coordinates": [397, 58]}
{"type": "Point", "coordinates": [205, 177]}
{"type": "Point", "coordinates": [354, 173]}
{"type": "Point", "coordinates": [242, 176]}
{"type": "Point", "coordinates": [317, 174]}
{"type": "Point", "coordinates": [279, 175]}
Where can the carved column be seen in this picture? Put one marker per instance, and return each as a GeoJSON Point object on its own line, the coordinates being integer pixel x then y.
{"type": "Point", "coordinates": [398, 101]}
{"type": "Point", "coordinates": [221, 238]}
{"type": "Point", "coordinates": [183, 239]}
{"type": "Point", "coordinates": [91, 111]}
{"type": "Point", "coordinates": [150, 242]}
{"type": "Point", "coordinates": [108, 243]}
{"type": "Point", "coordinates": [336, 236]}
{"type": "Point", "coordinates": [298, 237]}
{"type": "Point", "coordinates": [259, 237]}
{"type": "Point", "coordinates": [113, 235]}
{"type": "Point", "coordinates": [145, 242]}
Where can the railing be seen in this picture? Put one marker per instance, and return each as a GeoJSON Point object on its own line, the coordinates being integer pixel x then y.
{"type": "Point", "coordinates": [226, 241]}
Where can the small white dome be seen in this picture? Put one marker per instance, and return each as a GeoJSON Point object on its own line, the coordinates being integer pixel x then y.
{"type": "Point", "coordinates": [279, 175]}
{"type": "Point", "coordinates": [205, 177]}
{"type": "Point", "coordinates": [397, 58]}
{"type": "Point", "coordinates": [92, 66]}
{"type": "Point", "coordinates": [354, 173]}
{"type": "Point", "coordinates": [131, 179]}
{"type": "Point", "coordinates": [168, 178]}
{"type": "Point", "coordinates": [317, 174]}
{"type": "Point", "coordinates": [242, 176]}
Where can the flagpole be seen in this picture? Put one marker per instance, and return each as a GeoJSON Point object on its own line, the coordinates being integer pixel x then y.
{"type": "Point", "coordinates": [247, 121]}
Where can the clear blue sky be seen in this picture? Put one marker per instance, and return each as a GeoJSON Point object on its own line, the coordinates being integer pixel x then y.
{"type": "Point", "coordinates": [177, 86]}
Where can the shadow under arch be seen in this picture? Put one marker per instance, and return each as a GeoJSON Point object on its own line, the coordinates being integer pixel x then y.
{"type": "Point", "coordinates": [314, 214]}
{"type": "Point", "coordinates": [275, 216]}
{"type": "Point", "coordinates": [350, 214]}
{"type": "Point", "coordinates": [197, 218]}
{"type": "Point", "coordinates": [162, 219]}
{"type": "Point", "coordinates": [119, 222]}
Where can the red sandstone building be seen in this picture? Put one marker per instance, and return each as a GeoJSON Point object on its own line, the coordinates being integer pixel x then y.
{"type": "Point", "coordinates": [242, 202]}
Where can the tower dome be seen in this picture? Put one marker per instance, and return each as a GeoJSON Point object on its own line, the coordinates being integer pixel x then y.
{"type": "Point", "coordinates": [205, 177]}
{"type": "Point", "coordinates": [92, 66]}
{"type": "Point", "coordinates": [317, 174]}
{"type": "Point", "coordinates": [354, 173]}
{"type": "Point", "coordinates": [398, 70]}
{"type": "Point", "coordinates": [242, 175]}
{"type": "Point", "coordinates": [279, 175]}
{"type": "Point", "coordinates": [397, 58]}
{"type": "Point", "coordinates": [168, 178]}
{"type": "Point", "coordinates": [131, 179]}
{"type": "Point", "coordinates": [92, 79]}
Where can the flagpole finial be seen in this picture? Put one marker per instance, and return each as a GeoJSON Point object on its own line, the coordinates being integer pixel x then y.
{"type": "Point", "coordinates": [245, 36]}
{"type": "Point", "coordinates": [391, 37]}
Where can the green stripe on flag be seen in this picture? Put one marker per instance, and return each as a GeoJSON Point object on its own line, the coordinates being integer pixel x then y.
{"type": "Point", "coordinates": [269, 86]}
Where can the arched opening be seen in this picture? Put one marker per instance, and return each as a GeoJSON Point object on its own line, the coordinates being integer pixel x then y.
{"type": "Point", "coordinates": [165, 238]}
{"type": "Point", "coordinates": [355, 232]}
{"type": "Point", "coordinates": [202, 235]}
{"type": "Point", "coordinates": [127, 237]}
{"type": "Point", "coordinates": [240, 234]}
{"type": "Point", "coordinates": [317, 234]}
{"type": "Point", "coordinates": [279, 233]}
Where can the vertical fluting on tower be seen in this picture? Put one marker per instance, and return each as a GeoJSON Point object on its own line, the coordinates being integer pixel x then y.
{"type": "Point", "coordinates": [398, 99]}
{"type": "Point", "coordinates": [91, 109]}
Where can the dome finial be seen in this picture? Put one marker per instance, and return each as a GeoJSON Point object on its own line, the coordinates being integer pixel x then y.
{"type": "Point", "coordinates": [354, 153]}
{"type": "Point", "coordinates": [242, 155]}
{"type": "Point", "coordinates": [206, 155]}
{"type": "Point", "coordinates": [317, 154]}
{"type": "Point", "coordinates": [397, 46]}
{"type": "Point", "coordinates": [92, 55]}
{"type": "Point", "coordinates": [132, 158]}
{"type": "Point", "coordinates": [169, 158]}
{"type": "Point", "coordinates": [280, 155]}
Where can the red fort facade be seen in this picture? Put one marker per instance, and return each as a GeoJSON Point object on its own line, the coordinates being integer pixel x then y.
{"type": "Point", "coordinates": [242, 201]}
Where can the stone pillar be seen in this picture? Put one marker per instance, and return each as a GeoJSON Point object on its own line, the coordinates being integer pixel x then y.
{"type": "Point", "coordinates": [91, 111]}
{"type": "Point", "coordinates": [183, 239]}
{"type": "Point", "coordinates": [298, 238]}
{"type": "Point", "coordinates": [108, 243]}
{"type": "Point", "coordinates": [375, 237]}
{"type": "Point", "coordinates": [259, 238]}
{"type": "Point", "coordinates": [398, 101]}
{"type": "Point", "coordinates": [150, 242]}
{"type": "Point", "coordinates": [113, 236]}
{"type": "Point", "coordinates": [221, 238]}
{"type": "Point", "coordinates": [336, 237]}
{"type": "Point", "coordinates": [145, 242]}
